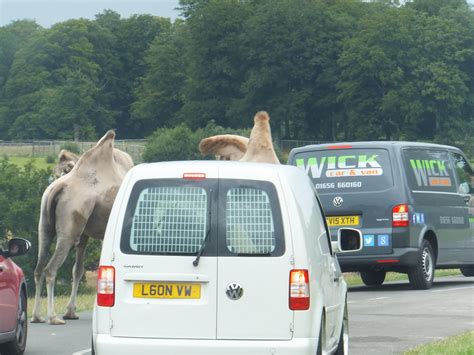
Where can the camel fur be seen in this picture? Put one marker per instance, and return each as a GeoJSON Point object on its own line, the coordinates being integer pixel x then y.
{"type": "Point", "coordinates": [74, 208]}
{"type": "Point", "coordinates": [259, 148]}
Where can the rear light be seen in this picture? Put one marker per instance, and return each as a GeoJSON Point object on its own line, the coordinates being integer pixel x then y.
{"type": "Point", "coordinates": [299, 290]}
{"type": "Point", "coordinates": [388, 261]}
{"type": "Point", "coordinates": [106, 286]}
{"type": "Point", "coordinates": [339, 146]}
{"type": "Point", "coordinates": [194, 176]}
{"type": "Point", "coordinates": [400, 216]}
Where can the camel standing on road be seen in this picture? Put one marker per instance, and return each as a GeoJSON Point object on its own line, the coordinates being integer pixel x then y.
{"type": "Point", "coordinates": [259, 148]}
{"type": "Point", "coordinates": [74, 208]}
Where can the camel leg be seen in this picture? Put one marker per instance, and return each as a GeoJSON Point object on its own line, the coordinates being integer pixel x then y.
{"type": "Point", "coordinates": [63, 247]}
{"type": "Point", "coordinates": [77, 273]}
{"type": "Point", "coordinates": [43, 248]}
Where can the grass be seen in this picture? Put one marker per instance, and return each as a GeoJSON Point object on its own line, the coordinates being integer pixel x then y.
{"type": "Point", "coordinates": [84, 302]}
{"type": "Point", "coordinates": [38, 162]}
{"type": "Point", "coordinates": [353, 278]}
{"type": "Point", "coordinates": [460, 344]}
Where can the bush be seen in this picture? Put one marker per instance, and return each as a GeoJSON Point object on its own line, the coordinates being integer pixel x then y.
{"type": "Point", "coordinates": [72, 147]}
{"type": "Point", "coordinates": [50, 159]}
{"type": "Point", "coordinates": [181, 143]}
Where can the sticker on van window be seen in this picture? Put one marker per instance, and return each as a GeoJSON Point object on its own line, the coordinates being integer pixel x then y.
{"type": "Point", "coordinates": [342, 166]}
{"type": "Point", "coordinates": [431, 173]}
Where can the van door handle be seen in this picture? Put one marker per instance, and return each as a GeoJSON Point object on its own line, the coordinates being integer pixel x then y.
{"type": "Point", "coordinates": [466, 198]}
{"type": "Point", "coordinates": [1, 268]}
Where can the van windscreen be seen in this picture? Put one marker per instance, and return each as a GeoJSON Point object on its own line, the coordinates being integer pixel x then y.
{"type": "Point", "coordinates": [347, 170]}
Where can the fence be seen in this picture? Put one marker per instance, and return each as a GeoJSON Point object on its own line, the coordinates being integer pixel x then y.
{"type": "Point", "coordinates": [45, 148]}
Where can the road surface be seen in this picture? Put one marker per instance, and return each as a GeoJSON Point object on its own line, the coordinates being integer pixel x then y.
{"type": "Point", "coordinates": [383, 320]}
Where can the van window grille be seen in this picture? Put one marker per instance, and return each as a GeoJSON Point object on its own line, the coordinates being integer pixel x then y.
{"type": "Point", "coordinates": [249, 222]}
{"type": "Point", "coordinates": [169, 220]}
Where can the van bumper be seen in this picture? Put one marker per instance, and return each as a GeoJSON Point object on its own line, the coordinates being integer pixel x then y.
{"type": "Point", "coordinates": [105, 344]}
{"type": "Point", "coordinates": [400, 258]}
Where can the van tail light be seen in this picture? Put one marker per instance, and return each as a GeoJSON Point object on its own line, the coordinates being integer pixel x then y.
{"type": "Point", "coordinates": [299, 290]}
{"type": "Point", "coordinates": [400, 216]}
{"type": "Point", "coordinates": [194, 176]}
{"type": "Point", "coordinates": [106, 286]}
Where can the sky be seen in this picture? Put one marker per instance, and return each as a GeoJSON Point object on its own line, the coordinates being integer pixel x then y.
{"type": "Point", "coordinates": [48, 12]}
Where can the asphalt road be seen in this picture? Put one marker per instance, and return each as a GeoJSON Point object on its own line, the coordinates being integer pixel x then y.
{"type": "Point", "coordinates": [384, 320]}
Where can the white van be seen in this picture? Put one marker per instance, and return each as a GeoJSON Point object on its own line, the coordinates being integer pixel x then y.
{"type": "Point", "coordinates": [220, 258]}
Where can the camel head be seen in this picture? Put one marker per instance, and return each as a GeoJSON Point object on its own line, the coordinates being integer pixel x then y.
{"type": "Point", "coordinates": [259, 148]}
{"type": "Point", "coordinates": [66, 161]}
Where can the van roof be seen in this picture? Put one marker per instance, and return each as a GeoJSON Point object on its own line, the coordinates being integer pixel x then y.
{"type": "Point", "coordinates": [372, 144]}
{"type": "Point", "coordinates": [236, 169]}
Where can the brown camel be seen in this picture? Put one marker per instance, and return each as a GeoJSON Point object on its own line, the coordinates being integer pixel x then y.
{"type": "Point", "coordinates": [259, 148]}
{"type": "Point", "coordinates": [76, 207]}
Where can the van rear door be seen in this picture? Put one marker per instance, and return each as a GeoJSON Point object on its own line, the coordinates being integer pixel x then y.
{"type": "Point", "coordinates": [159, 293]}
{"type": "Point", "coordinates": [356, 189]}
{"type": "Point", "coordinates": [253, 262]}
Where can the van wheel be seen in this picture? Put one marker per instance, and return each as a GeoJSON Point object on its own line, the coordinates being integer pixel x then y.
{"type": "Point", "coordinates": [421, 275]}
{"type": "Point", "coordinates": [18, 344]}
{"type": "Point", "coordinates": [467, 271]}
{"type": "Point", "coordinates": [373, 278]}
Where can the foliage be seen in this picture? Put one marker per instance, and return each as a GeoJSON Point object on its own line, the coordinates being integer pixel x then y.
{"type": "Point", "coordinates": [324, 70]}
{"type": "Point", "coordinates": [181, 143]}
{"type": "Point", "coordinates": [459, 344]}
{"type": "Point", "coordinates": [72, 147]}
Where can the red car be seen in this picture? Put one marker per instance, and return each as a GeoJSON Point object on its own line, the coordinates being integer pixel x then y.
{"type": "Point", "coordinates": [13, 299]}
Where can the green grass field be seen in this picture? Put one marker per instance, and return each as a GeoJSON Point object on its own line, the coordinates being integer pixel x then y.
{"type": "Point", "coordinates": [461, 345]}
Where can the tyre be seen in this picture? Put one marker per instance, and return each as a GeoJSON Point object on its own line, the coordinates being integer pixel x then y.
{"type": "Point", "coordinates": [467, 271]}
{"type": "Point", "coordinates": [373, 278]}
{"type": "Point", "coordinates": [421, 275]}
{"type": "Point", "coordinates": [18, 344]}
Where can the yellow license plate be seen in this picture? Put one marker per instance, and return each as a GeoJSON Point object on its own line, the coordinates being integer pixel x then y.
{"type": "Point", "coordinates": [338, 221]}
{"type": "Point", "coordinates": [166, 290]}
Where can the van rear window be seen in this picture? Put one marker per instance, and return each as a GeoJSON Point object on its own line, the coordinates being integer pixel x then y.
{"type": "Point", "coordinates": [347, 170]}
{"type": "Point", "coordinates": [169, 220]}
{"type": "Point", "coordinates": [249, 222]}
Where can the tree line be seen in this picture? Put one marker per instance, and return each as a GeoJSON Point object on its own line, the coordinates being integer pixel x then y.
{"type": "Point", "coordinates": [324, 69]}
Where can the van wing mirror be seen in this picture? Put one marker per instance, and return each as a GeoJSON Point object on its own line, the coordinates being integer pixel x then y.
{"type": "Point", "coordinates": [348, 240]}
{"type": "Point", "coordinates": [17, 246]}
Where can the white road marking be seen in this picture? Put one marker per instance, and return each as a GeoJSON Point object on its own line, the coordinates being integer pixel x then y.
{"type": "Point", "coordinates": [453, 289]}
{"type": "Point", "coordinates": [377, 298]}
{"type": "Point", "coordinates": [350, 302]}
{"type": "Point", "coordinates": [82, 352]}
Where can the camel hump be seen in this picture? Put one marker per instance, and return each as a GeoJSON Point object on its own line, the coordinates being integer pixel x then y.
{"type": "Point", "coordinates": [108, 137]}
{"type": "Point", "coordinates": [261, 116]}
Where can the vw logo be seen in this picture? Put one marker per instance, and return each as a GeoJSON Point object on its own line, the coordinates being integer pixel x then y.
{"type": "Point", "coordinates": [234, 291]}
{"type": "Point", "coordinates": [337, 201]}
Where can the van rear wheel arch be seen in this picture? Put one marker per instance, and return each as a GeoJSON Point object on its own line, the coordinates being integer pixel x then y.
{"type": "Point", "coordinates": [430, 236]}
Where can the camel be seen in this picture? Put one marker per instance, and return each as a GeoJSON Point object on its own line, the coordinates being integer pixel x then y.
{"type": "Point", "coordinates": [259, 148]}
{"type": "Point", "coordinates": [74, 208]}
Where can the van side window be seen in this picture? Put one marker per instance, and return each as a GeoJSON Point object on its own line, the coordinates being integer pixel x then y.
{"type": "Point", "coordinates": [324, 239]}
{"type": "Point", "coordinates": [250, 227]}
{"type": "Point", "coordinates": [464, 173]}
{"type": "Point", "coordinates": [429, 170]}
{"type": "Point", "coordinates": [169, 219]}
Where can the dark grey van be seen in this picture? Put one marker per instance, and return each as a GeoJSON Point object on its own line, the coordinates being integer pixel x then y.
{"type": "Point", "coordinates": [413, 203]}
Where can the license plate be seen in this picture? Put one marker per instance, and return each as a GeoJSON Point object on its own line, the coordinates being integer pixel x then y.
{"type": "Point", "coordinates": [166, 290]}
{"type": "Point", "coordinates": [338, 221]}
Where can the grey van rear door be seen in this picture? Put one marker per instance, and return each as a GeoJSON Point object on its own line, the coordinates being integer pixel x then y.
{"type": "Point", "coordinates": [356, 188]}
{"type": "Point", "coordinates": [436, 200]}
